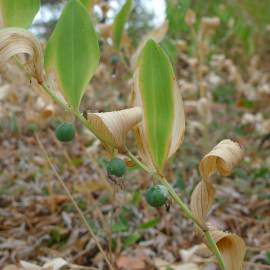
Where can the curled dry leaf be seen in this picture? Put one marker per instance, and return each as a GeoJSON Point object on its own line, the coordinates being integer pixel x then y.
{"type": "Point", "coordinates": [232, 248]}
{"type": "Point", "coordinates": [14, 41]}
{"type": "Point", "coordinates": [112, 127]}
{"type": "Point", "coordinates": [222, 159]}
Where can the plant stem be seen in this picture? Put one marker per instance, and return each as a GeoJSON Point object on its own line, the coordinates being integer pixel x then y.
{"type": "Point", "coordinates": [213, 246]}
{"type": "Point", "coordinates": [138, 162]}
{"type": "Point", "coordinates": [65, 106]}
{"type": "Point", "coordinates": [55, 97]}
{"type": "Point", "coordinates": [172, 192]}
{"type": "Point", "coordinates": [162, 179]}
{"type": "Point", "coordinates": [75, 204]}
{"type": "Point", "coordinates": [181, 204]}
{"type": "Point", "coordinates": [203, 229]}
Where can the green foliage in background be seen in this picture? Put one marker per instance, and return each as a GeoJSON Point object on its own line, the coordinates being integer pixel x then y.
{"type": "Point", "coordinates": [18, 13]}
{"type": "Point", "coordinates": [119, 23]}
{"type": "Point", "coordinates": [175, 14]}
{"type": "Point", "coordinates": [242, 22]}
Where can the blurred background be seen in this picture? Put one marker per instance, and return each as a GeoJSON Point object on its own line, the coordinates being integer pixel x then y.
{"type": "Point", "coordinates": [245, 21]}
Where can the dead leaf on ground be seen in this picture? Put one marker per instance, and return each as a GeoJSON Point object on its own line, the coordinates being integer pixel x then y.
{"type": "Point", "coordinates": [131, 263]}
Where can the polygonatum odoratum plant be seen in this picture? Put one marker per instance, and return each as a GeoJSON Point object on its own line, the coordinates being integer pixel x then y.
{"type": "Point", "coordinates": [155, 115]}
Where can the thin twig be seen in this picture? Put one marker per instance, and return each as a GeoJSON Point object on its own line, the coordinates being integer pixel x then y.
{"type": "Point", "coordinates": [74, 203]}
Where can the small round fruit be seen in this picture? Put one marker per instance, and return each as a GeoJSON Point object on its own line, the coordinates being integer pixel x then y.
{"type": "Point", "coordinates": [157, 195]}
{"type": "Point", "coordinates": [115, 60]}
{"type": "Point", "coordinates": [116, 167]}
{"type": "Point", "coordinates": [65, 132]}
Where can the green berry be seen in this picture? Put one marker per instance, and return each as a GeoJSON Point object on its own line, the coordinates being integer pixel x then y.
{"type": "Point", "coordinates": [157, 195]}
{"type": "Point", "coordinates": [115, 60]}
{"type": "Point", "coordinates": [116, 167]}
{"type": "Point", "coordinates": [65, 132]}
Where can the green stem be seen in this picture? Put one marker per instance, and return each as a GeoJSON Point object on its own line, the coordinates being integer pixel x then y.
{"type": "Point", "coordinates": [162, 179]}
{"type": "Point", "coordinates": [213, 246]}
{"type": "Point", "coordinates": [173, 194]}
{"type": "Point", "coordinates": [181, 204]}
{"type": "Point", "coordinates": [65, 106]}
{"type": "Point", "coordinates": [139, 163]}
{"type": "Point", "coordinates": [56, 98]}
{"type": "Point", "coordinates": [204, 230]}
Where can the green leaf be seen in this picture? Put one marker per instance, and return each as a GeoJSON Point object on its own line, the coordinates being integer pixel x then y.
{"type": "Point", "coordinates": [155, 90]}
{"type": "Point", "coordinates": [87, 3]}
{"type": "Point", "coordinates": [119, 23]}
{"type": "Point", "coordinates": [150, 223]}
{"type": "Point", "coordinates": [175, 12]}
{"type": "Point", "coordinates": [92, 224]}
{"type": "Point", "coordinates": [155, 78]}
{"type": "Point", "coordinates": [18, 13]}
{"type": "Point", "coordinates": [136, 197]}
{"type": "Point", "coordinates": [72, 53]}
{"type": "Point", "coordinates": [180, 183]}
{"type": "Point", "coordinates": [267, 255]}
{"type": "Point", "coordinates": [131, 239]}
{"type": "Point", "coordinates": [169, 47]}
{"type": "Point", "coordinates": [119, 227]}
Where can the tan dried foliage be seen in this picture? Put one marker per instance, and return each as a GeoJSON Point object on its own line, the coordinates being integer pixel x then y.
{"type": "Point", "coordinates": [209, 25]}
{"type": "Point", "coordinates": [112, 127]}
{"type": "Point", "coordinates": [14, 41]}
{"type": "Point", "coordinates": [190, 17]}
{"type": "Point", "coordinates": [53, 264]}
{"type": "Point", "coordinates": [222, 159]}
{"type": "Point", "coordinates": [105, 30]}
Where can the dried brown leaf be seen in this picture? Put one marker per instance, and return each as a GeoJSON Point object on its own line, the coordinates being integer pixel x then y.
{"type": "Point", "coordinates": [190, 17]}
{"type": "Point", "coordinates": [222, 159]}
{"type": "Point", "coordinates": [232, 248]}
{"type": "Point", "coordinates": [163, 265]}
{"type": "Point", "coordinates": [131, 263]}
{"type": "Point", "coordinates": [14, 41]}
{"type": "Point", "coordinates": [112, 127]}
